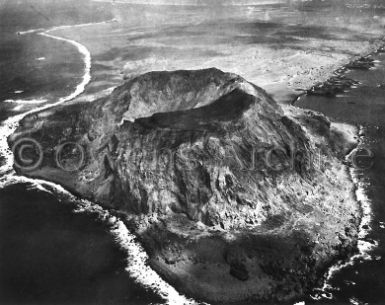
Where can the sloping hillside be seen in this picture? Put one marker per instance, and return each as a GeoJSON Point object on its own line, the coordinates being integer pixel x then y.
{"type": "Point", "coordinates": [232, 197]}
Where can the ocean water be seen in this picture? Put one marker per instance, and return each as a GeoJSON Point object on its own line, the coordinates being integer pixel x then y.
{"type": "Point", "coordinates": [52, 252]}
{"type": "Point", "coordinates": [74, 252]}
{"type": "Point", "coordinates": [49, 253]}
{"type": "Point", "coordinates": [363, 105]}
{"type": "Point", "coordinates": [36, 71]}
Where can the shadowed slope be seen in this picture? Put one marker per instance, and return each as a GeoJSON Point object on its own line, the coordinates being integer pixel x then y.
{"type": "Point", "coordinates": [216, 180]}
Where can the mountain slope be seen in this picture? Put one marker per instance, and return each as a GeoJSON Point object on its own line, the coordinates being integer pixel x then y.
{"type": "Point", "coordinates": [233, 197]}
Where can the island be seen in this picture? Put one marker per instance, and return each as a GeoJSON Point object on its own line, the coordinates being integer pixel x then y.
{"type": "Point", "coordinates": [233, 196]}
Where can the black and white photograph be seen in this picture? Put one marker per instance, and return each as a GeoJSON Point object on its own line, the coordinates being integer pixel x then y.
{"type": "Point", "coordinates": [192, 152]}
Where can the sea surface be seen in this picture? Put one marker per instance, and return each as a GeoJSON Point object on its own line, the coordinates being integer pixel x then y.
{"type": "Point", "coordinates": [364, 106]}
{"type": "Point", "coordinates": [50, 252]}
{"type": "Point", "coordinates": [55, 249]}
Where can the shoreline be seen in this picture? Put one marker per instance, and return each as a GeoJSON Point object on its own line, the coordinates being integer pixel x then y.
{"type": "Point", "coordinates": [339, 68]}
{"type": "Point", "coordinates": [9, 126]}
{"type": "Point", "coordinates": [363, 247]}
{"type": "Point", "coordinates": [136, 261]}
{"type": "Point", "coordinates": [364, 229]}
{"type": "Point", "coordinates": [17, 118]}
{"type": "Point", "coordinates": [323, 258]}
{"type": "Point", "coordinates": [138, 269]}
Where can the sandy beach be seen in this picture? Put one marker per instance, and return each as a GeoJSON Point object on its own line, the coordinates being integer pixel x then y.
{"type": "Point", "coordinates": [282, 46]}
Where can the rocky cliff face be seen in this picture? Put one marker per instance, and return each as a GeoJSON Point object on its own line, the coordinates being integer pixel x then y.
{"type": "Point", "coordinates": [233, 197]}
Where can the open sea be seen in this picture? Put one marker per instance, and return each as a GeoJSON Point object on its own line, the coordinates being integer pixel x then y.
{"type": "Point", "coordinates": [56, 249]}
{"type": "Point", "coordinates": [364, 106]}
{"type": "Point", "coordinates": [49, 253]}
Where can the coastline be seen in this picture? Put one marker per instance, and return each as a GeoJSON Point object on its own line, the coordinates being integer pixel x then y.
{"type": "Point", "coordinates": [120, 231]}
{"type": "Point", "coordinates": [327, 242]}
{"type": "Point", "coordinates": [136, 257]}
{"type": "Point", "coordinates": [366, 247]}
{"type": "Point", "coordinates": [336, 69]}
{"type": "Point", "coordinates": [10, 125]}
{"type": "Point", "coordinates": [363, 247]}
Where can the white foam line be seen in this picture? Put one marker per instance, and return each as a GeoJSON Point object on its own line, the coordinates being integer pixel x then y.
{"type": "Point", "coordinates": [6, 129]}
{"type": "Point", "coordinates": [137, 263]}
{"type": "Point", "coordinates": [10, 125]}
{"type": "Point", "coordinates": [137, 258]}
{"type": "Point", "coordinates": [31, 31]}
{"type": "Point", "coordinates": [364, 247]}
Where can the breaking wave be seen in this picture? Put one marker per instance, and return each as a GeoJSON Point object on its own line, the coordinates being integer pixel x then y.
{"type": "Point", "coordinates": [136, 260]}
{"type": "Point", "coordinates": [364, 246]}
{"type": "Point", "coordinates": [33, 101]}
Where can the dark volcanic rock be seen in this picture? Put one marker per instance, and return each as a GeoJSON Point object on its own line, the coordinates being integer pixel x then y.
{"type": "Point", "coordinates": [333, 86]}
{"type": "Point", "coordinates": [362, 63]}
{"type": "Point", "coordinates": [218, 182]}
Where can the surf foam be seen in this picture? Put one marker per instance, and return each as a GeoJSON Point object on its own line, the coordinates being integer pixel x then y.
{"type": "Point", "coordinates": [364, 247]}
{"type": "Point", "coordinates": [137, 258]}
{"type": "Point", "coordinates": [32, 101]}
{"type": "Point", "coordinates": [9, 126]}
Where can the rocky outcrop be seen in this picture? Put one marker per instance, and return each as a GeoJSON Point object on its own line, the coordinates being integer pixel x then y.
{"type": "Point", "coordinates": [233, 197]}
